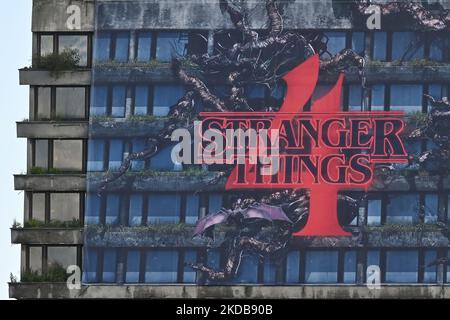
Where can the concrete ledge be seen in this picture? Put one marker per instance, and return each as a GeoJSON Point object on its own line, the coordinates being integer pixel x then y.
{"type": "Point", "coordinates": [52, 129]}
{"type": "Point", "coordinates": [47, 236]}
{"type": "Point", "coordinates": [114, 129]}
{"type": "Point", "coordinates": [96, 291]}
{"type": "Point", "coordinates": [50, 182]}
{"type": "Point", "coordinates": [44, 78]}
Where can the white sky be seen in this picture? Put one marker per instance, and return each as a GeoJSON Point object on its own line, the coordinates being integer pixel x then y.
{"type": "Point", "coordinates": [15, 53]}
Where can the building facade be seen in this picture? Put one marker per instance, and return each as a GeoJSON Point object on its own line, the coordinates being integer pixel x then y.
{"type": "Point", "coordinates": [135, 240]}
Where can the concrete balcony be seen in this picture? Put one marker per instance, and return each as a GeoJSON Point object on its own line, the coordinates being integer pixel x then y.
{"type": "Point", "coordinates": [53, 129]}
{"type": "Point", "coordinates": [157, 291]}
{"type": "Point", "coordinates": [35, 77]}
{"type": "Point", "coordinates": [53, 236]}
{"type": "Point", "coordinates": [50, 182]}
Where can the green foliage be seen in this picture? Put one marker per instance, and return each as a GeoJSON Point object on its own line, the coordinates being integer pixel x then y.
{"type": "Point", "coordinates": [12, 278]}
{"type": "Point", "coordinates": [393, 228]}
{"type": "Point", "coordinates": [410, 63]}
{"type": "Point", "coordinates": [54, 273]}
{"type": "Point", "coordinates": [59, 62]}
{"type": "Point", "coordinates": [75, 223]}
{"type": "Point", "coordinates": [39, 170]}
{"type": "Point", "coordinates": [158, 228]}
{"type": "Point", "coordinates": [152, 64]}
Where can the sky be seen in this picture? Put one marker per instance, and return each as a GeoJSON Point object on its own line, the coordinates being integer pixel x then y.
{"type": "Point", "coordinates": [15, 53]}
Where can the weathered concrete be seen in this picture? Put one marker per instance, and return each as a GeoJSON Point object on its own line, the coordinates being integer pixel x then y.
{"type": "Point", "coordinates": [50, 182]}
{"type": "Point", "coordinates": [45, 78]}
{"type": "Point", "coordinates": [114, 129]}
{"type": "Point", "coordinates": [60, 291]}
{"type": "Point", "coordinates": [52, 129]}
{"type": "Point", "coordinates": [47, 236]}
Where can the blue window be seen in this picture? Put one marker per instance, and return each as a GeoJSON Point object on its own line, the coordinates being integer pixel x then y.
{"type": "Point", "coordinates": [377, 98]}
{"type": "Point", "coordinates": [278, 91]}
{"type": "Point", "coordinates": [402, 208]}
{"type": "Point", "coordinates": [90, 266]}
{"type": "Point", "coordinates": [431, 208]}
{"type": "Point", "coordinates": [171, 44]}
{"type": "Point", "coordinates": [99, 100]}
{"type": "Point", "coordinates": [115, 154]}
{"type": "Point", "coordinates": [119, 97]}
{"type": "Point", "coordinates": [336, 42]}
{"type": "Point", "coordinates": [109, 265]}
{"type": "Point", "coordinates": [248, 270]}
{"type": "Point", "coordinates": [164, 208]}
{"type": "Point", "coordinates": [401, 266]}
{"type": "Point", "coordinates": [293, 267]}
{"type": "Point", "coordinates": [161, 266]}
{"type": "Point", "coordinates": [192, 208]}
{"type": "Point", "coordinates": [162, 161]}
{"type": "Point", "coordinates": [135, 213]}
{"type": "Point", "coordinates": [407, 46]}
{"type": "Point", "coordinates": [373, 258]}
{"type": "Point", "coordinates": [374, 212]}
{"type": "Point", "coordinates": [448, 208]}
{"type": "Point", "coordinates": [429, 275]}
{"type": "Point", "coordinates": [102, 47]}
{"type": "Point", "coordinates": [165, 96]}
{"type": "Point", "coordinates": [350, 267]}
{"type": "Point", "coordinates": [215, 202]}
{"type": "Point", "coordinates": [141, 100]}
{"type": "Point", "coordinates": [189, 274]}
{"type": "Point", "coordinates": [93, 205]}
{"type": "Point", "coordinates": [355, 98]}
{"type": "Point", "coordinates": [133, 266]}
{"type": "Point", "coordinates": [122, 44]}
{"type": "Point", "coordinates": [413, 147]}
{"type": "Point", "coordinates": [112, 209]}
{"type": "Point", "coordinates": [144, 46]}
{"type": "Point", "coordinates": [321, 266]}
{"type": "Point", "coordinates": [270, 270]}
{"type": "Point", "coordinates": [138, 146]}
{"type": "Point", "coordinates": [255, 91]}
{"type": "Point", "coordinates": [437, 48]}
{"type": "Point", "coordinates": [358, 42]}
{"type": "Point", "coordinates": [406, 97]}
{"type": "Point", "coordinates": [213, 258]}
{"type": "Point", "coordinates": [96, 152]}
{"type": "Point", "coordinates": [436, 91]}
{"type": "Point", "coordinates": [379, 45]}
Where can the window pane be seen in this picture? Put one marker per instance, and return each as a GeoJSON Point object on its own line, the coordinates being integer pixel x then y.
{"type": "Point", "coordinates": [171, 44]}
{"type": "Point", "coordinates": [93, 204]}
{"type": "Point", "coordinates": [270, 270]}
{"type": "Point", "coordinates": [379, 46]}
{"type": "Point", "coordinates": [248, 270]}
{"type": "Point", "coordinates": [90, 266]}
{"type": "Point", "coordinates": [62, 256]}
{"type": "Point", "coordinates": [358, 44]}
{"type": "Point", "coordinates": [355, 98]}
{"type": "Point", "coordinates": [430, 271]}
{"type": "Point", "coordinates": [190, 275]}
{"type": "Point", "coordinates": [164, 208]}
{"type": "Point", "coordinates": [46, 45]}
{"type": "Point", "coordinates": [119, 96]}
{"type": "Point", "coordinates": [68, 155]}
{"type": "Point", "coordinates": [374, 212]}
{"type": "Point", "coordinates": [77, 43]}
{"type": "Point", "coordinates": [401, 266]}
{"type": "Point", "coordinates": [406, 46]}
{"type": "Point", "coordinates": [321, 266]}
{"type": "Point", "coordinates": [141, 100]}
{"type": "Point", "coordinates": [431, 208]}
{"type": "Point", "coordinates": [38, 207]}
{"type": "Point", "coordinates": [70, 103]}
{"type": "Point", "coordinates": [336, 42]}
{"type": "Point", "coordinates": [166, 96]}
{"type": "Point", "coordinates": [102, 47]}
{"type": "Point", "coordinates": [135, 214]}
{"type": "Point", "coordinates": [437, 48]}
{"type": "Point", "coordinates": [64, 206]}
{"type": "Point", "coordinates": [112, 209]}
{"type": "Point", "coordinates": [350, 267]}
{"type": "Point", "coordinates": [292, 267]}
{"type": "Point", "coordinates": [99, 100]}
{"type": "Point", "coordinates": [373, 258]}
{"type": "Point", "coordinates": [161, 266]}
{"type": "Point", "coordinates": [133, 266]}
{"type": "Point", "coordinates": [122, 43]}
{"type": "Point", "coordinates": [192, 208]}
{"type": "Point", "coordinates": [144, 46]}
{"type": "Point", "coordinates": [41, 154]}
{"type": "Point", "coordinates": [162, 161]}
{"type": "Point", "coordinates": [436, 91]}
{"type": "Point", "coordinates": [377, 99]}
{"type": "Point", "coordinates": [255, 91]}
{"type": "Point", "coordinates": [403, 208]}
{"type": "Point", "coordinates": [115, 154]}
{"type": "Point", "coordinates": [44, 103]}
{"type": "Point", "coordinates": [96, 150]}
{"type": "Point", "coordinates": [138, 146]}
{"type": "Point", "coordinates": [406, 97]}
{"type": "Point", "coordinates": [35, 261]}
{"type": "Point", "coordinates": [215, 202]}
{"type": "Point", "coordinates": [109, 265]}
